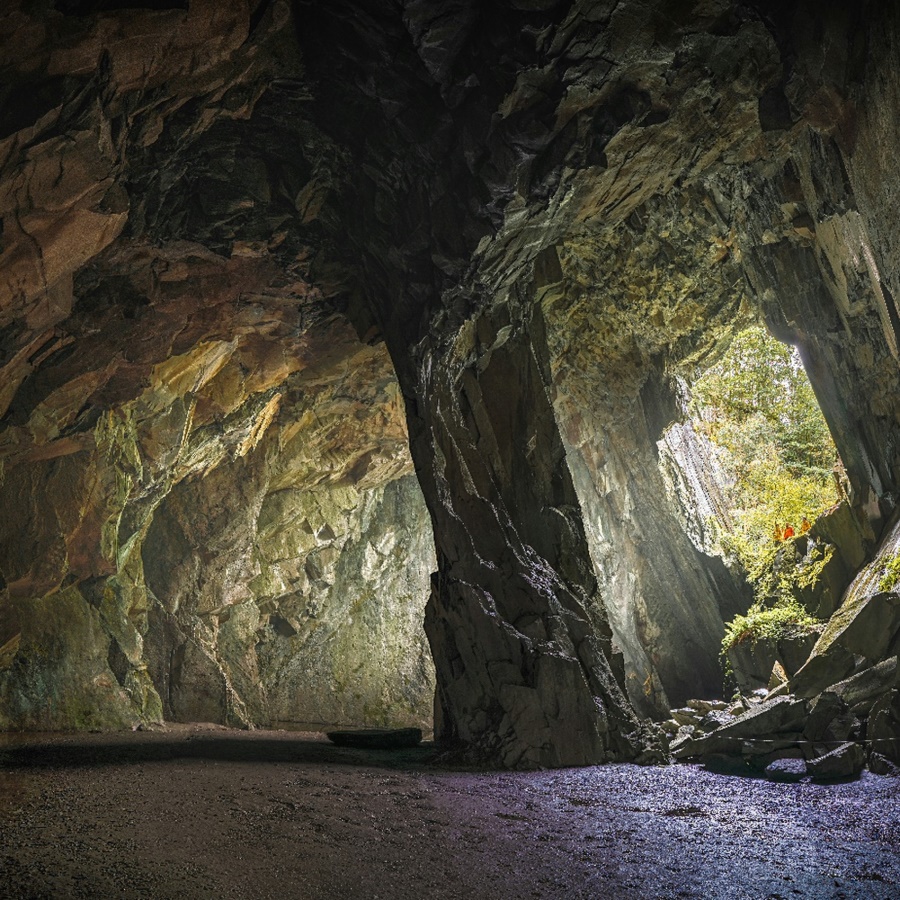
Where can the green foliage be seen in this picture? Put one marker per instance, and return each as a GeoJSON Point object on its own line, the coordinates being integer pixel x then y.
{"type": "Point", "coordinates": [757, 406]}
{"type": "Point", "coordinates": [773, 624]}
{"type": "Point", "coordinates": [891, 574]}
{"type": "Point", "coordinates": [758, 397]}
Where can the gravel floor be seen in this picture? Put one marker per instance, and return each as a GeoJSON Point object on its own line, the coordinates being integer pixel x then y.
{"type": "Point", "coordinates": [198, 812]}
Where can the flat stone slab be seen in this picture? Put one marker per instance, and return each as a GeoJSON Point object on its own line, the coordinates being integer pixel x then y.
{"type": "Point", "coordinates": [377, 738]}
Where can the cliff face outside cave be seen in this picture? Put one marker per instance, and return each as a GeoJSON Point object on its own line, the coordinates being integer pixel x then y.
{"type": "Point", "coordinates": [302, 302]}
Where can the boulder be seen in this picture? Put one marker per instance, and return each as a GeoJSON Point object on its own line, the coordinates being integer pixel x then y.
{"type": "Point", "coordinates": [781, 690]}
{"type": "Point", "coordinates": [686, 716]}
{"type": "Point", "coordinates": [714, 719]}
{"type": "Point", "coordinates": [767, 748]}
{"type": "Point", "coordinates": [845, 761]}
{"type": "Point", "coordinates": [864, 688]}
{"type": "Point", "coordinates": [776, 722]}
{"type": "Point", "coordinates": [829, 720]}
{"type": "Point", "coordinates": [881, 765]}
{"type": "Point", "coordinates": [865, 626]}
{"type": "Point", "coordinates": [863, 632]}
{"type": "Point", "coordinates": [884, 726]}
{"type": "Point", "coordinates": [792, 651]}
{"type": "Point", "coordinates": [786, 770]}
{"type": "Point", "coordinates": [773, 716]}
{"type": "Point", "coordinates": [706, 706]}
{"type": "Point", "coordinates": [821, 671]}
{"type": "Point", "coordinates": [851, 536]}
{"type": "Point", "coordinates": [752, 662]}
{"type": "Point", "coordinates": [686, 745]}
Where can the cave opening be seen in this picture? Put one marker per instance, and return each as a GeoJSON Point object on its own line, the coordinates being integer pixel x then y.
{"type": "Point", "coordinates": [324, 322]}
{"type": "Point", "coordinates": [751, 468]}
{"type": "Point", "coordinates": [754, 449]}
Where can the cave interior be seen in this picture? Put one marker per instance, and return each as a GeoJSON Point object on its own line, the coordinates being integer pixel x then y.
{"type": "Point", "coordinates": [319, 321]}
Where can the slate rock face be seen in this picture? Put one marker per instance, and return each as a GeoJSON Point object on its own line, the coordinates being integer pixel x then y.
{"type": "Point", "coordinates": [262, 263]}
{"type": "Point", "coordinates": [864, 632]}
{"type": "Point", "coordinates": [752, 662]}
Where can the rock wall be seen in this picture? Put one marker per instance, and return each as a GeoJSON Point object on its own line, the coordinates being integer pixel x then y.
{"type": "Point", "coordinates": [322, 626]}
{"type": "Point", "coordinates": [813, 239]}
{"type": "Point", "coordinates": [227, 542]}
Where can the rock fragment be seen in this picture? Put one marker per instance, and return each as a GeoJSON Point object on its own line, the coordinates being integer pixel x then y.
{"type": "Point", "coordinates": [845, 761]}
{"type": "Point", "coordinates": [786, 770]}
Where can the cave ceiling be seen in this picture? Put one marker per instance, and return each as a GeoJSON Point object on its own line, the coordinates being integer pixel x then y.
{"type": "Point", "coordinates": [303, 249]}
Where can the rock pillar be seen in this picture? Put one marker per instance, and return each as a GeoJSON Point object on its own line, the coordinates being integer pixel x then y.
{"type": "Point", "coordinates": [522, 665]}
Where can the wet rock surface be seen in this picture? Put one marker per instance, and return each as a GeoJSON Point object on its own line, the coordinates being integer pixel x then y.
{"type": "Point", "coordinates": [211, 813]}
{"type": "Point", "coordinates": [786, 770]}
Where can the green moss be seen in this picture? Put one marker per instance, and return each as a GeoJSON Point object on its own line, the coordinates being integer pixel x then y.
{"type": "Point", "coordinates": [761, 624]}
{"type": "Point", "coordinates": [891, 574]}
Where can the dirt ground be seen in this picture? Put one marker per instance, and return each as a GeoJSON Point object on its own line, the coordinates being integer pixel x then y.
{"type": "Point", "coordinates": [202, 812]}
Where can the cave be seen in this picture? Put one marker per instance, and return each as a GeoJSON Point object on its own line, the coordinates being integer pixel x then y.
{"type": "Point", "coordinates": [341, 348]}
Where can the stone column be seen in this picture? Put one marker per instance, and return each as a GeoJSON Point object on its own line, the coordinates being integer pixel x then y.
{"type": "Point", "coordinates": [522, 667]}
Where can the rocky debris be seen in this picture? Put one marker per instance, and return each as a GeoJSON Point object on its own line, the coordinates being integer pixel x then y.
{"type": "Point", "coordinates": [834, 731]}
{"type": "Point", "coordinates": [845, 761]}
{"type": "Point", "coordinates": [787, 770]}
{"type": "Point", "coordinates": [714, 719]}
{"type": "Point", "coordinates": [861, 712]}
{"type": "Point", "coordinates": [863, 632]}
{"type": "Point", "coordinates": [765, 663]}
{"type": "Point", "coordinates": [860, 691]}
{"type": "Point", "coordinates": [842, 704]}
{"type": "Point", "coordinates": [784, 736]}
{"type": "Point", "coordinates": [753, 662]}
{"type": "Point", "coordinates": [699, 715]}
{"type": "Point", "coordinates": [686, 716]}
{"type": "Point", "coordinates": [829, 719]}
{"type": "Point", "coordinates": [881, 765]}
{"type": "Point", "coordinates": [377, 738]}
{"type": "Point", "coordinates": [768, 720]}
{"type": "Point", "coordinates": [707, 706]}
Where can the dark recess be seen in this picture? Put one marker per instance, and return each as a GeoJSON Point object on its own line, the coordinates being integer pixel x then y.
{"type": "Point", "coordinates": [90, 7]}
